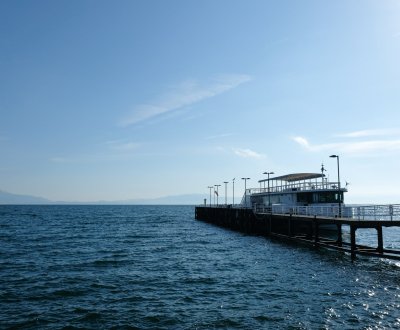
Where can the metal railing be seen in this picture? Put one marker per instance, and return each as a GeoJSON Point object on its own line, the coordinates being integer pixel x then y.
{"type": "Point", "coordinates": [322, 211]}
{"type": "Point", "coordinates": [295, 186]}
{"type": "Point", "coordinates": [387, 212]}
{"type": "Point", "coordinates": [377, 212]}
{"type": "Point", "coordinates": [223, 206]}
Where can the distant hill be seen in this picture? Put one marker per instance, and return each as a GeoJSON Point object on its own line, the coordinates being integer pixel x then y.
{"type": "Point", "coordinates": [8, 198]}
{"type": "Point", "coordinates": [189, 199]}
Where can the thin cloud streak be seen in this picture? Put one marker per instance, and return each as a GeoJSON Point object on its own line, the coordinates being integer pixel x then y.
{"type": "Point", "coordinates": [371, 132]}
{"type": "Point", "coordinates": [60, 160]}
{"type": "Point", "coordinates": [247, 153]}
{"type": "Point", "coordinates": [362, 147]}
{"type": "Point", "coordinates": [220, 136]}
{"type": "Point", "coordinates": [111, 150]}
{"type": "Point", "coordinates": [119, 145]}
{"type": "Point", "coordinates": [185, 94]}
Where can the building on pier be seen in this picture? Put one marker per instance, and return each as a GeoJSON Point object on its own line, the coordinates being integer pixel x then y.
{"type": "Point", "coordinates": [283, 194]}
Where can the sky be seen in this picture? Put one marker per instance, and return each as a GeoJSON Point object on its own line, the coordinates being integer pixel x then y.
{"type": "Point", "coordinates": [114, 100]}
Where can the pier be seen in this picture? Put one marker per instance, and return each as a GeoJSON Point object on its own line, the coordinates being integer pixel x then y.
{"type": "Point", "coordinates": [310, 225]}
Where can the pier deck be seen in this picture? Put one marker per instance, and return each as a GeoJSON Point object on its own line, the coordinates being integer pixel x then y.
{"type": "Point", "coordinates": [302, 228]}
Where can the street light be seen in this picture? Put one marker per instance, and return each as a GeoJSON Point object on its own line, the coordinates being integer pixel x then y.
{"type": "Point", "coordinates": [245, 193]}
{"type": "Point", "coordinates": [269, 196]}
{"type": "Point", "coordinates": [338, 178]}
{"type": "Point", "coordinates": [233, 192]}
{"type": "Point", "coordinates": [217, 185]}
{"type": "Point", "coordinates": [210, 187]}
{"type": "Point", "coordinates": [226, 193]}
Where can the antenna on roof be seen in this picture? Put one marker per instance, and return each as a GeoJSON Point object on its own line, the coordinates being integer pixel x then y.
{"type": "Point", "coordinates": [323, 175]}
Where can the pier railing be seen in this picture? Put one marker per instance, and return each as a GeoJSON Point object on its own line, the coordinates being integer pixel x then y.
{"type": "Point", "coordinates": [295, 186]}
{"type": "Point", "coordinates": [321, 211]}
{"type": "Point", "coordinates": [387, 212]}
{"type": "Point", "coordinates": [384, 212]}
{"type": "Point", "coordinates": [377, 212]}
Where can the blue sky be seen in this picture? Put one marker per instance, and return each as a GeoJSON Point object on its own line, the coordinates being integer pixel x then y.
{"type": "Point", "coordinates": [128, 99]}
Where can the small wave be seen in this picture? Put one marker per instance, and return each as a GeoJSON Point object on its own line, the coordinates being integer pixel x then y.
{"type": "Point", "coordinates": [91, 316]}
{"type": "Point", "coordinates": [226, 323]}
{"type": "Point", "coordinates": [31, 215]}
{"type": "Point", "coordinates": [108, 262]}
{"type": "Point", "coordinates": [80, 310]}
{"type": "Point", "coordinates": [267, 318]}
{"type": "Point", "coordinates": [200, 280]}
{"type": "Point", "coordinates": [48, 291]}
{"type": "Point", "coordinates": [67, 293]}
{"type": "Point", "coordinates": [102, 286]}
{"type": "Point", "coordinates": [156, 321]}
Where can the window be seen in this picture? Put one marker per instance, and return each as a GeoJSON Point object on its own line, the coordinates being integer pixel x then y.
{"type": "Point", "coordinates": [327, 197]}
{"type": "Point", "coordinates": [305, 198]}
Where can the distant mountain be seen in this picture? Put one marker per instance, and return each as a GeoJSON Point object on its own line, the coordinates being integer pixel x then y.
{"type": "Point", "coordinates": [8, 198]}
{"type": "Point", "coordinates": [189, 199]}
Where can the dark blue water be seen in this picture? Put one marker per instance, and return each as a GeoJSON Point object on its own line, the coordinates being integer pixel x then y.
{"type": "Point", "coordinates": [155, 267]}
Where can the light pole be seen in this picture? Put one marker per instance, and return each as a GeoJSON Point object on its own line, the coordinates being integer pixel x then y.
{"type": "Point", "coordinates": [214, 195]}
{"type": "Point", "coordinates": [338, 178]}
{"type": "Point", "coordinates": [245, 192]}
{"type": "Point", "coordinates": [217, 185]}
{"type": "Point", "coordinates": [233, 192]}
{"type": "Point", "coordinates": [210, 187]}
{"type": "Point", "coordinates": [269, 196]}
{"type": "Point", "coordinates": [226, 193]}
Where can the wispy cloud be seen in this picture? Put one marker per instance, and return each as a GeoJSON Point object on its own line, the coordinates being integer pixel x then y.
{"type": "Point", "coordinates": [219, 136]}
{"type": "Point", "coordinates": [247, 153]}
{"type": "Point", "coordinates": [182, 95]}
{"type": "Point", "coordinates": [110, 151]}
{"type": "Point", "coordinates": [122, 145]}
{"type": "Point", "coordinates": [370, 147]}
{"type": "Point", "coordinates": [60, 160]}
{"type": "Point", "coordinates": [370, 132]}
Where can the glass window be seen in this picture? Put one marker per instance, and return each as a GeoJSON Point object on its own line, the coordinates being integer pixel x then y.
{"type": "Point", "coordinates": [328, 197]}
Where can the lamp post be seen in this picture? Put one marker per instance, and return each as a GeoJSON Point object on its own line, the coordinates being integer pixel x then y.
{"type": "Point", "coordinates": [269, 196]}
{"type": "Point", "coordinates": [217, 185]}
{"type": "Point", "coordinates": [245, 192]}
{"type": "Point", "coordinates": [338, 178]}
{"type": "Point", "coordinates": [226, 192]}
{"type": "Point", "coordinates": [210, 187]}
{"type": "Point", "coordinates": [214, 196]}
{"type": "Point", "coordinates": [233, 192]}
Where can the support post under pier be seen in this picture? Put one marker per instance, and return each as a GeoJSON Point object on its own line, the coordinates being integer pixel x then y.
{"type": "Point", "coordinates": [316, 232]}
{"type": "Point", "coordinates": [380, 239]}
{"type": "Point", "coordinates": [353, 241]}
{"type": "Point", "coordinates": [339, 235]}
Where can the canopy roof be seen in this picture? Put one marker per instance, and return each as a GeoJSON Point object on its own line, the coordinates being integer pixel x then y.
{"type": "Point", "coordinates": [296, 177]}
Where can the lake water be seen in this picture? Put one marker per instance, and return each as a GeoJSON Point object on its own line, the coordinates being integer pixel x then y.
{"type": "Point", "coordinates": [156, 267]}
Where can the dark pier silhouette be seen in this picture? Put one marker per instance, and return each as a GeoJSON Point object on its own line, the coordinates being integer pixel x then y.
{"type": "Point", "coordinates": [302, 228]}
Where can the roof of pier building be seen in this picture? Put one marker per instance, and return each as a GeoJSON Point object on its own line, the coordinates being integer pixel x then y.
{"type": "Point", "coordinates": [295, 177]}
